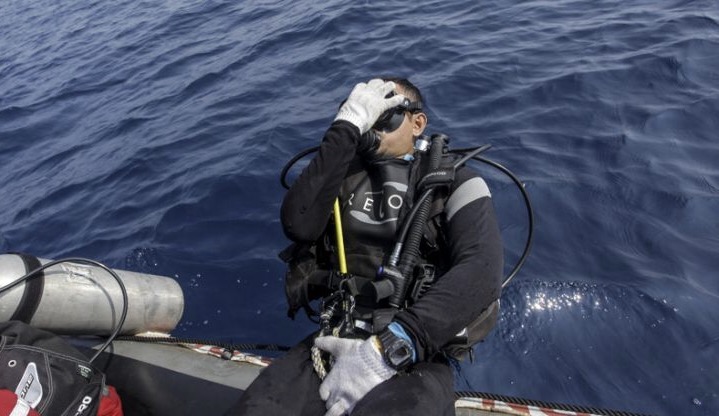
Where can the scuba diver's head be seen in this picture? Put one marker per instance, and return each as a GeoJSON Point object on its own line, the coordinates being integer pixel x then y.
{"type": "Point", "coordinates": [397, 128]}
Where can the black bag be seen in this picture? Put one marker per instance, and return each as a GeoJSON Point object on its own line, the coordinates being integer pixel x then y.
{"type": "Point", "coordinates": [305, 281]}
{"type": "Point", "coordinates": [47, 372]}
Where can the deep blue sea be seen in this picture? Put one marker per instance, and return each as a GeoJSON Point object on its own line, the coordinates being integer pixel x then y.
{"type": "Point", "coordinates": [149, 135]}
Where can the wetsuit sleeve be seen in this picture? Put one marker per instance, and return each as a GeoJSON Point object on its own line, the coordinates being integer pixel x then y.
{"type": "Point", "coordinates": [473, 281]}
{"type": "Point", "coordinates": [307, 205]}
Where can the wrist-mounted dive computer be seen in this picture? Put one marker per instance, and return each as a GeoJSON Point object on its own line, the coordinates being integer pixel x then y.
{"type": "Point", "coordinates": [398, 352]}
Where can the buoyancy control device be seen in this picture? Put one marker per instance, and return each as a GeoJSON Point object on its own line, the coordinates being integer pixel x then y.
{"type": "Point", "coordinates": [399, 282]}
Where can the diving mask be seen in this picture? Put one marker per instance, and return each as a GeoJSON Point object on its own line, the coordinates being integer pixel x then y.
{"type": "Point", "coordinates": [391, 119]}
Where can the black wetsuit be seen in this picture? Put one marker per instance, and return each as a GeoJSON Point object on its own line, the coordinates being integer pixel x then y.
{"type": "Point", "coordinates": [470, 284]}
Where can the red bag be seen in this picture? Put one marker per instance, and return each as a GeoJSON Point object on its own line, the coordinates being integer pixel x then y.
{"type": "Point", "coordinates": [109, 403]}
{"type": "Point", "coordinates": [10, 404]}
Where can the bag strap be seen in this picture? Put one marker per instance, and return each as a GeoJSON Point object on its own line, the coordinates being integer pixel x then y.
{"type": "Point", "coordinates": [32, 293]}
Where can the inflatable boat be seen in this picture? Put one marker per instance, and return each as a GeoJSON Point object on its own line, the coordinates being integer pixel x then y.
{"type": "Point", "coordinates": [123, 320]}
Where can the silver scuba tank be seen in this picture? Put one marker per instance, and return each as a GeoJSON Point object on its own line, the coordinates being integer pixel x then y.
{"type": "Point", "coordinates": [80, 299]}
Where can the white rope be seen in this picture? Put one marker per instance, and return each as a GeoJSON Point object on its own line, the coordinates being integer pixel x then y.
{"type": "Point", "coordinates": [322, 368]}
{"type": "Point", "coordinates": [317, 362]}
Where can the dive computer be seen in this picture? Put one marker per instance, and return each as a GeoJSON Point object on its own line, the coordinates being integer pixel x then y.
{"type": "Point", "coordinates": [398, 352]}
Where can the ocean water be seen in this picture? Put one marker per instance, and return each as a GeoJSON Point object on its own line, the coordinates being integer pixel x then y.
{"type": "Point", "coordinates": [150, 134]}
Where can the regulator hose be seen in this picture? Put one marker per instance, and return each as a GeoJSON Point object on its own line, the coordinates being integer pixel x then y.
{"type": "Point", "coordinates": [425, 195]}
{"type": "Point", "coordinates": [410, 253]}
{"type": "Point", "coordinates": [530, 218]}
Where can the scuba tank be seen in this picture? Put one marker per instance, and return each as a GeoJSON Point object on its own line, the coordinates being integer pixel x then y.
{"type": "Point", "coordinates": [80, 298]}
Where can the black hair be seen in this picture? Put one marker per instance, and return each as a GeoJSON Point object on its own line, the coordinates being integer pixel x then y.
{"type": "Point", "coordinates": [410, 90]}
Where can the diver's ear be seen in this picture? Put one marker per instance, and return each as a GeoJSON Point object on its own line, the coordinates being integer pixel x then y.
{"type": "Point", "coordinates": [419, 123]}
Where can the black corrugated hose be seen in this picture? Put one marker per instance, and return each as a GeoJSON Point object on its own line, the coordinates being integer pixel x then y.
{"type": "Point", "coordinates": [410, 253]}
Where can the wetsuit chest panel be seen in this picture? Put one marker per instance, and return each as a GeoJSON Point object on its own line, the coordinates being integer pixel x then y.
{"type": "Point", "coordinates": [371, 204]}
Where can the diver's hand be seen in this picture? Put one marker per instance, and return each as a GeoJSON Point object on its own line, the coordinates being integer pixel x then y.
{"type": "Point", "coordinates": [358, 368]}
{"type": "Point", "coordinates": [366, 103]}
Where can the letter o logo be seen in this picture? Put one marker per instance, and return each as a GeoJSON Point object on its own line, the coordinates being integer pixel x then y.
{"type": "Point", "coordinates": [395, 200]}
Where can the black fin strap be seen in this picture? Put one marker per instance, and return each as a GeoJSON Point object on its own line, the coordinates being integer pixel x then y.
{"type": "Point", "coordinates": [32, 294]}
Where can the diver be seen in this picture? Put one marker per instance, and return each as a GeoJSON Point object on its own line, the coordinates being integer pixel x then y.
{"type": "Point", "coordinates": [408, 270]}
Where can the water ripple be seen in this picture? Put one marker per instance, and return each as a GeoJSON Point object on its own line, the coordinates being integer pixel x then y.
{"type": "Point", "coordinates": [150, 134]}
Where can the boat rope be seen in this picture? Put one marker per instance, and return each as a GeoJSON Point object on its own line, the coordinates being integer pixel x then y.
{"type": "Point", "coordinates": [318, 363]}
{"type": "Point", "coordinates": [174, 340]}
{"type": "Point", "coordinates": [344, 303]}
{"type": "Point", "coordinates": [545, 405]}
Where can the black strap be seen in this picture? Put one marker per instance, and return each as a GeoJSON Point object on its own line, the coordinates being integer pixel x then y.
{"type": "Point", "coordinates": [32, 294]}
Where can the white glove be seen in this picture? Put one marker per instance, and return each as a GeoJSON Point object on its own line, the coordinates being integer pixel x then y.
{"type": "Point", "coordinates": [358, 368]}
{"type": "Point", "coordinates": [366, 103]}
